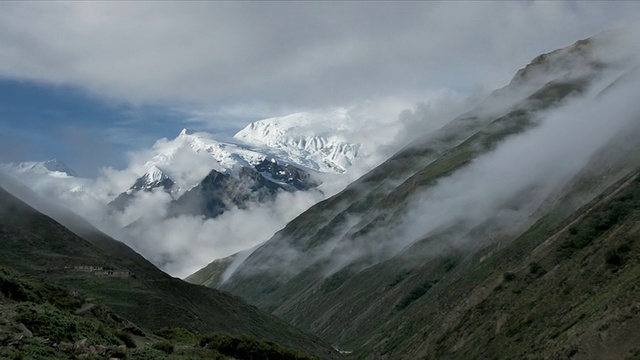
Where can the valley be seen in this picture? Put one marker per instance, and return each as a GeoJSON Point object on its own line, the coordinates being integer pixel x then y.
{"type": "Point", "coordinates": [390, 182]}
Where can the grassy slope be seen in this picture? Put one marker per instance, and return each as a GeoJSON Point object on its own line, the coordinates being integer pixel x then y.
{"type": "Point", "coordinates": [40, 320]}
{"type": "Point", "coordinates": [572, 294]}
{"type": "Point", "coordinates": [356, 309]}
{"type": "Point", "coordinates": [400, 310]}
{"type": "Point", "coordinates": [211, 275]}
{"type": "Point", "coordinates": [378, 204]}
{"type": "Point", "coordinates": [34, 244]}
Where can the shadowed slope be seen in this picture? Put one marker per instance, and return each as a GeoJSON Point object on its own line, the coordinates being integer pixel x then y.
{"type": "Point", "coordinates": [35, 244]}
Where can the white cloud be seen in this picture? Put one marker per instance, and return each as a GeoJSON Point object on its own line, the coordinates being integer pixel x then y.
{"type": "Point", "coordinates": [286, 54]}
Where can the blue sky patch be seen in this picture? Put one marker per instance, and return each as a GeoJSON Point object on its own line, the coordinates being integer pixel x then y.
{"type": "Point", "coordinates": [41, 121]}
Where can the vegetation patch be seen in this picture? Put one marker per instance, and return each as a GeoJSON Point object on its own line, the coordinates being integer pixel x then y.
{"type": "Point", "coordinates": [126, 338]}
{"type": "Point", "coordinates": [49, 321]}
{"type": "Point", "coordinates": [597, 223]}
{"type": "Point", "coordinates": [399, 278]}
{"type": "Point", "coordinates": [536, 269]}
{"type": "Point", "coordinates": [617, 256]}
{"type": "Point", "coordinates": [178, 334]}
{"type": "Point", "coordinates": [509, 276]}
{"type": "Point", "coordinates": [415, 294]}
{"type": "Point", "coordinates": [244, 347]}
{"type": "Point", "coordinates": [336, 280]}
{"type": "Point", "coordinates": [166, 347]}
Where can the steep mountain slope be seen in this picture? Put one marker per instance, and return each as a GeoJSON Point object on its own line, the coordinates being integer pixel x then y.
{"type": "Point", "coordinates": [389, 267]}
{"type": "Point", "coordinates": [107, 270]}
{"type": "Point", "coordinates": [39, 320]}
{"type": "Point", "coordinates": [211, 275]}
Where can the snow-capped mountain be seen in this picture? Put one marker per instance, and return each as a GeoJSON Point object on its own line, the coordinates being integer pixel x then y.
{"type": "Point", "coordinates": [313, 140]}
{"type": "Point", "coordinates": [215, 173]}
{"type": "Point", "coordinates": [52, 167]}
{"type": "Point", "coordinates": [288, 141]}
{"type": "Point", "coordinates": [152, 179]}
{"type": "Point", "coordinates": [47, 177]}
{"type": "Point", "coordinates": [206, 175]}
{"type": "Point", "coordinates": [236, 174]}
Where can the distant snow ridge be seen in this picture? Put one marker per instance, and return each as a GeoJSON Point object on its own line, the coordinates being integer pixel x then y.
{"type": "Point", "coordinates": [315, 141]}
{"type": "Point", "coordinates": [47, 177]}
{"type": "Point", "coordinates": [52, 167]}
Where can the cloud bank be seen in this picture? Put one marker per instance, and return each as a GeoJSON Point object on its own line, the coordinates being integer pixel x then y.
{"type": "Point", "coordinates": [248, 57]}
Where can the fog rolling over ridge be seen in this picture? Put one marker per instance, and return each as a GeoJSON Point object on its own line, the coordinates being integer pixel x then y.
{"type": "Point", "coordinates": [352, 180]}
{"type": "Point", "coordinates": [482, 178]}
{"type": "Point", "coordinates": [183, 242]}
{"type": "Point", "coordinates": [125, 91]}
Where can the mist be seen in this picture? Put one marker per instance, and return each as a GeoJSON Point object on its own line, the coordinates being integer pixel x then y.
{"type": "Point", "coordinates": [184, 244]}
{"type": "Point", "coordinates": [505, 187]}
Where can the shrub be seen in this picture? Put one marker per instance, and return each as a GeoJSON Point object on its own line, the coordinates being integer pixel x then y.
{"type": "Point", "coordinates": [126, 338]}
{"type": "Point", "coordinates": [245, 347]}
{"type": "Point", "coordinates": [415, 294]}
{"type": "Point", "coordinates": [165, 346]}
{"type": "Point", "coordinates": [537, 269]}
{"type": "Point", "coordinates": [178, 334]}
{"type": "Point", "coordinates": [613, 258]}
{"type": "Point", "coordinates": [509, 276]}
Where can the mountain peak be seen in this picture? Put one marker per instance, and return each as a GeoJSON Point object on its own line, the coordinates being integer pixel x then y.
{"type": "Point", "coordinates": [154, 177]}
{"type": "Point", "coordinates": [186, 131]}
{"type": "Point", "coordinates": [155, 174]}
{"type": "Point", "coordinates": [316, 140]}
{"type": "Point", "coordinates": [57, 165]}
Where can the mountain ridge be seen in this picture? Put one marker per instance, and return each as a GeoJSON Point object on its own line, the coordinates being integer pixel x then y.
{"type": "Point", "coordinates": [415, 235]}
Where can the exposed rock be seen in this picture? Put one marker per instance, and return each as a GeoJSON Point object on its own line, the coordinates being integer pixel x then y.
{"type": "Point", "coordinates": [26, 332]}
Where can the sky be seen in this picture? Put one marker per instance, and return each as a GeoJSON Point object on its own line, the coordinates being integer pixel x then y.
{"type": "Point", "coordinates": [89, 82]}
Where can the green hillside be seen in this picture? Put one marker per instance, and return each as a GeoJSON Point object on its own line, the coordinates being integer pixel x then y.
{"type": "Point", "coordinates": [555, 279]}
{"type": "Point", "coordinates": [211, 275]}
{"type": "Point", "coordinates": [111, 274]}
